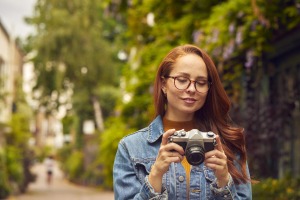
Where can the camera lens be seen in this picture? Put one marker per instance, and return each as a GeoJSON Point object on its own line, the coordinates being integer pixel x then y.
{"type": "Point", "coordinates": [195, 155]}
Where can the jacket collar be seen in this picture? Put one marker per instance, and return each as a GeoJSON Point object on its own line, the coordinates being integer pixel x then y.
{"type": "Point", "coordinates": [155, 130]}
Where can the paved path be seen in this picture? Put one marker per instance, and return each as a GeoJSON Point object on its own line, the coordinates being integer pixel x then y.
{"type": "Point", "coordinates": [59, 189]}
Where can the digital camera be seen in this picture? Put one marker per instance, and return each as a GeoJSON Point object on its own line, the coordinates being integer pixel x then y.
{"type": "Point", "coordinates": [195, 144]}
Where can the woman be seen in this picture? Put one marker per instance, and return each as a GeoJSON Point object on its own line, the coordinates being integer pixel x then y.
{"type": "Point", "coordinates": [49, 164]}
{"type": "Point", "coordinates": [188, 94]}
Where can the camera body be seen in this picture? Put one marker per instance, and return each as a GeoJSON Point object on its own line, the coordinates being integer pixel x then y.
{"type": "Point", "coordinates": [195, 144]}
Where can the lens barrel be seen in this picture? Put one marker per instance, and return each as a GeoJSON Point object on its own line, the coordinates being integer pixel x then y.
{"type": "Point", "coordinates": [195, 155]}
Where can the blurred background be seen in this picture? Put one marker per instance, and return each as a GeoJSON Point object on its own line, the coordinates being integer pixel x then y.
{"type": "Point", "coordinates": [76, 76]}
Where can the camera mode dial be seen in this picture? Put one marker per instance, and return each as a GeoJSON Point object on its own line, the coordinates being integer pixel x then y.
{"type": "Point", "coordinates": [210, 134]}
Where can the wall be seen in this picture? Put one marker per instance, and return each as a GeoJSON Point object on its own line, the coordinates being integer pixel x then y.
{"type": "Point", "coordinates": [11, 62]}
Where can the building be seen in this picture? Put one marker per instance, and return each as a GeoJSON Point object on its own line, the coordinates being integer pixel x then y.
{"type": "Point", "coordinates": [284, 80]}
{"type": "Point", "coordinates": [46, 129]}
{"type": "Point", "coordinates": [272, 111]}
{"type": "Point", "coordinates": [11, 63]}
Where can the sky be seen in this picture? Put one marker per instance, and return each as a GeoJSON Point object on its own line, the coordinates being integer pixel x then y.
{"type": "Point", "coordinates": [12, 13]}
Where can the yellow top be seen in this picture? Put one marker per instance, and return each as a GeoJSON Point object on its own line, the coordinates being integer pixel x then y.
{"type": "Point", "coordinates": [187, 126]}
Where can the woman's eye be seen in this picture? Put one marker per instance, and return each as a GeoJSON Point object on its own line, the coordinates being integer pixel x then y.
{"type": "Point", "coordinates": [201, 82]}
{"type": "Point", "coordinates": [182, 80]}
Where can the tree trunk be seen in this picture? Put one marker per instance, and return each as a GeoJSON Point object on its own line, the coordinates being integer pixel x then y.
{"type": "Point", "coordinates": [98, 114]}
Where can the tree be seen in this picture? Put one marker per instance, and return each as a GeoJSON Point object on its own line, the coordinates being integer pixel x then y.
{"type": "Point", "coordinates": [151, 29]}
{"type": "Point", "coordinates": [72, 58]}
{"type": "Point", "coordinates": [76, 67]}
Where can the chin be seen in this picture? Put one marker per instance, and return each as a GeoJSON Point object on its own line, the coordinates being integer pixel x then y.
{"type": "Point", "coordinates": [189, 111]}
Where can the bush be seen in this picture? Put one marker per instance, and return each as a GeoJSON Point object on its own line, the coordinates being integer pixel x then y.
{"type": "Point", "coordinates": [4, 183]}
{"type": "Point", "coordinates": [73, 166]}
{"type": "Point", "coordinates": [16, 156]}
{"type": "Point", "coordinates": [92, 175]}
{"type": "Point", "coordinates": [42, 152]}
{"type": "Point", "coordinates": [64, 153]}
{"type": "Point", "coordinates": [109, 141]}
{"type": "Point", "coordinates": [277, 189]}
{"type": "Point", "coordinates": [14, 164]}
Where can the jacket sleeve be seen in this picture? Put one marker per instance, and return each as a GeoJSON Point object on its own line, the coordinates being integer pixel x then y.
{"type": "Point", "coordinates": [233, 191]}
{"type": "Point", "coordinates": [126, 183]}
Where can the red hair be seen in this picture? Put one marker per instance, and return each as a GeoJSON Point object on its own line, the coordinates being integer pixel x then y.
{"type": "Point", "coordinates": [214, 115]}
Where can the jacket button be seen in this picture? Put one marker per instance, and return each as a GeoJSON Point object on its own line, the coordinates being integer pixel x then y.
{"type": "Point", "coordinates": [181, 178]}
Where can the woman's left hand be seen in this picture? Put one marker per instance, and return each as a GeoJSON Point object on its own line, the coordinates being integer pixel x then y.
{"type": "Point", "coordinates": [217, 161]}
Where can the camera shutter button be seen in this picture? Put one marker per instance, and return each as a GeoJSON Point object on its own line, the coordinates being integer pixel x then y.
{"type": "Point", "coordinates": [210, 134]}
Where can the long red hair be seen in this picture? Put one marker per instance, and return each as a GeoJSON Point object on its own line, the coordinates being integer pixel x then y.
{"type": "Point", "coordinates": [214, 115]}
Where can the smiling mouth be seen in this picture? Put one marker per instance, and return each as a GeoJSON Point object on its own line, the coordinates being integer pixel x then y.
{"type": "Point", "coordinates": [189, 100]}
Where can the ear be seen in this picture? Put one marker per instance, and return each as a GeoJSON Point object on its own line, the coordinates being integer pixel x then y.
{"type": "Point", "coordinates": [163, 85]}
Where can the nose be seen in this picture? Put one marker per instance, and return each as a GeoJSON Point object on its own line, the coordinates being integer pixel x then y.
{"type": "Point", "coordinates": [191, 87]}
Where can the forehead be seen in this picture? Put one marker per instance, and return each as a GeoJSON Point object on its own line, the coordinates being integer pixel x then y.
{"type": "Point", "coordinates": [191, 64]}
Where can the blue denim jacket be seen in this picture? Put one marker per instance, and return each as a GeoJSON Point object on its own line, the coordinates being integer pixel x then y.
{"type": "Point", "coordinates": [137, 153]}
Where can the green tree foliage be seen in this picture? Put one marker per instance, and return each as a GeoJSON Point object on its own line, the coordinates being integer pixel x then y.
{"type": "Point", "coordinates": [71, 55]}
{"type": "Point", "coordinates": [76, 66]}
{"type": "Point", "coordinates": [68, 122]}
{"type": "Point", "coordinates": [17, 155]}
{"type": "Point", "coordinates": [109, 98]}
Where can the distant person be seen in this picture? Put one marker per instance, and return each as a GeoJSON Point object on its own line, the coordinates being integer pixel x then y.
{"type": "Point", "coordinates": [49, 164]}
{"type": "Point", "coordinates": [189, 95]}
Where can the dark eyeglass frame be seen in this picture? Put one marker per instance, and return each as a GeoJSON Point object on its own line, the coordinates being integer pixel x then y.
{"type": "Point", "coordinates": [190, 82]}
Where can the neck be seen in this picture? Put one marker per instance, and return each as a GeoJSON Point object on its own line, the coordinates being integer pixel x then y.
{"type": "Point", "coordinates": [178, 125]}
{"type": "Point", "coordinates": [179, 118]}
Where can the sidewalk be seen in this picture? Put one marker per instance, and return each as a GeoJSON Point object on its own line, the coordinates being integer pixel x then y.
{"type": "Point", "coordinates": [59, 189]}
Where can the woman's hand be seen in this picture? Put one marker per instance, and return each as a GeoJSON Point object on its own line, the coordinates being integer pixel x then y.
{"type": "Point", "coordinates": [168, 153]}
{"type": "Point", "coordinates": [217, 161]}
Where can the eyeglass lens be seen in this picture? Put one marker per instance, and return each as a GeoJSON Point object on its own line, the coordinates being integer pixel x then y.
{"type": "Point", "coordinates": [183, 83]}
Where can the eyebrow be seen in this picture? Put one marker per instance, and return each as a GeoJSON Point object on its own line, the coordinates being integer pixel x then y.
{"type": "Point", "coordinates": [188, 75]}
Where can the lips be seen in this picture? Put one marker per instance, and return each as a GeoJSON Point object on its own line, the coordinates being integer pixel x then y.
{"type": "Point", "coordinates": [189, 100]}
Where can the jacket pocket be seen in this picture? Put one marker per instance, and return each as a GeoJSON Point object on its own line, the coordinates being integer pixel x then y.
{"type": "Point", "coordinates": [143, 168]}
{"type": "Point", "coordinates": [209, 174]}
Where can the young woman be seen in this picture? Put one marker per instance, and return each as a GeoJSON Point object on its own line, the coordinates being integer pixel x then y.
{"type": "Point", "coordinates": [49, 164]}
{"type": "Point", "coordinates": [188, 94]}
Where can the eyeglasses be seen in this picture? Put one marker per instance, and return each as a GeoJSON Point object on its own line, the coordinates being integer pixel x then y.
{"type": "Point", "coordinates": [182, 83]}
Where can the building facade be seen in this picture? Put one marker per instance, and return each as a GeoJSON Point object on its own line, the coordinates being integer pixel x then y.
{"type": "Point", "coordinates": [284, 66]}
{"type": "Point", "coordinates": [272, 110]}
{"type": "Point", "coordinates": [11, 63]}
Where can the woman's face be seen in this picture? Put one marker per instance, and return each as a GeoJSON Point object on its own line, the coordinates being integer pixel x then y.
{"type": "Point", "coordinates": [182, 104]}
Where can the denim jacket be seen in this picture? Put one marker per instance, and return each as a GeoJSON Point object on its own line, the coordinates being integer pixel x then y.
{"type": "Point", "coordinates": [137, 153]}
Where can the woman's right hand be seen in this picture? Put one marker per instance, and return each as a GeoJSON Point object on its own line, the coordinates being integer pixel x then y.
{"type": "Point", "coordinates": [168, 153]}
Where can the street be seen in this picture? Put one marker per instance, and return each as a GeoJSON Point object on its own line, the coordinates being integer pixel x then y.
{"type": "Point", "coordinates": [59, 189]}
